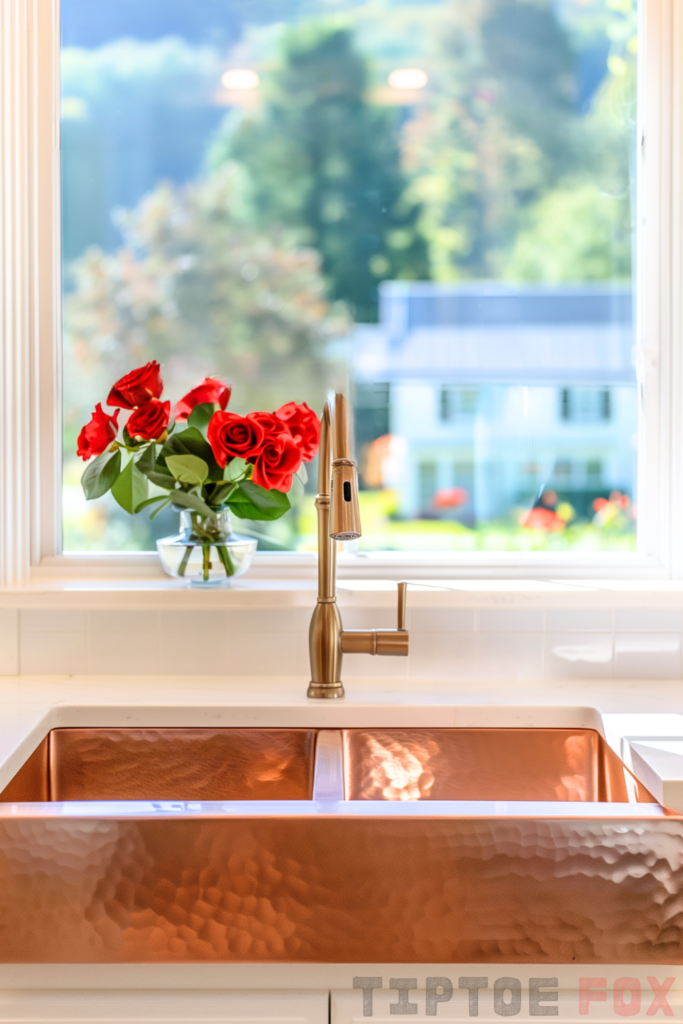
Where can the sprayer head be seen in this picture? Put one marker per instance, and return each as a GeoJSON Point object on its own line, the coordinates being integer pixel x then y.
{"type": "Point", "coordinates": [344, 511]}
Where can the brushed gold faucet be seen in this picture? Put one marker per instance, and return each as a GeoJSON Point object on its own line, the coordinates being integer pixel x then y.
{"type": "Point", "coordinates": [339, 519]}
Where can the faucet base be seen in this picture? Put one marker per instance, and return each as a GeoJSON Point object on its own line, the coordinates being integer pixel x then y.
{"type": "Point", "coordinates": [325, 691]}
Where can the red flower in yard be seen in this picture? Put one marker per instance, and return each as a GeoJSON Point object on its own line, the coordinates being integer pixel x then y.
{"type": "Point", "coordinates": [210, 391]}
{"type": "Point", "coordinates": [542, 519]}
{"type": "Point", "coordinates": [98, 434]}
{"type": "Point", "coordinates": [304, 426]}
{"type": "Point", "coordinates": [137, 387]}
{"type": "Point", "coordinates": [149, 421]}
{"type": "Point", "coordinates": [450, 497]}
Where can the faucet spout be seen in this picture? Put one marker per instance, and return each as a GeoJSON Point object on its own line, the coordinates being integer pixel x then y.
{"type": "Point", "coordinates": [339, 519]}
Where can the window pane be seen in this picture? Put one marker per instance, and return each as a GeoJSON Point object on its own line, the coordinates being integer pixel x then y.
{"type": "Point", "coordinates": [427, 204]}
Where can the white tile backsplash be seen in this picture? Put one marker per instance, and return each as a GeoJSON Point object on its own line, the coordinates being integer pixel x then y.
{"type": "Point", "coordinates": [458, 643]}
{"type": "Point", "coordinates": [441, 620]}
{"type": "Point", "coordinates": [179, 656]}
{"type": "Point", "coordinates": [648, 620]}
{"type": "Point", "coordinates": [261, 654]}
{"type": "Point", "coordinates": [186, 623]}
{"type": "Point", "coordinates": [44, 620]}
{"type": "Point", "coordinates": [123, 622]}
{"type": "Point", "coordinates": [512, 655]}
{"type": "Point", "coordinates": [647, 655]}
{"type": "Point", "coordinates": [125, 654]}
{"type": "Point", "coordinates": [266, 621]}
{"type": "Point", "coordinates": [46, 654]}
{"type": "Point", "coordinates": [504, 620]}
{"type": "Point", "coordinates": [578, 655]}
{"type": "Point", "coordinates": [579, 620]}
{"type": "Point", "coordinates": [441, 655]}
{"type": "Point", "coordinates": [9, 641]}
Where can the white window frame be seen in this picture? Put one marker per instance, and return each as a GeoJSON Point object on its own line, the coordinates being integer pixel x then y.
{"type": "Point", "coordinates": [30, 331]}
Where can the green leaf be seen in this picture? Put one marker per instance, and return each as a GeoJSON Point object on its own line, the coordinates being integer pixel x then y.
{"type": "Point", "coordinates": [151, 501]}
{"type": "Point", "coordinates": [188, 469]}
{"type": "Point", "coordinates": [253, 502]}
{"type": "Point", "coordinates": [192, 442]}
{"type": "Point", "coordinates": [162, 479]}
{"type": "Point", "coordinates": [131, 488]}
{"type": "Point", "coordinates": [222, 493]}
{"type": "Point", "coordinates": [146, 461]}
{"type": "Point", "coordinates": [167, 501]}
{"type": "Point", "coordinates": [201, 414]}
{"type": "Point", "coordinates": [100, 474]}
{"type": "Point", "coordinates": [186, 499]}
{"type": "Point", "coordinates": [234, 469]}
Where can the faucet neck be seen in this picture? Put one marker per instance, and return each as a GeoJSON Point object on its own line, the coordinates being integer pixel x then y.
{"type": "Point", "coordinates": [327, 550]}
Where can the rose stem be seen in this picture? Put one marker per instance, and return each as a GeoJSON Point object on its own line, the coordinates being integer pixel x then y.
{"type": "Point", "coordinates": [206, 555]}
{"type": "Point", "coordinates": [225, 558]}
{"type": "Point", "coordinates": [185, 559]}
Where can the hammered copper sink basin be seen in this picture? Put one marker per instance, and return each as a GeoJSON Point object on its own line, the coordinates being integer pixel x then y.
{"type": "Point", "coordinates": [356, 846]}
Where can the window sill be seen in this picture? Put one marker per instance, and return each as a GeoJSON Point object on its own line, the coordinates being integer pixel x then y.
{"type": "Point", "coordinates": [149, 588]}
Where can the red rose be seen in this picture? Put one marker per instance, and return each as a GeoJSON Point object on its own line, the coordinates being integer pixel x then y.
{"type": "Point", "coordinates": [150, 420]}
{"type": "Point", "coordinates": [277, 462]}
{"type": "Point", "coordinates": [304, 426]}
{"type": "Point", "coordinates": [209, 391]}
{"type": "Point", "coordinates": [97, 435]}
{"type": "Point", "coordinates": [232, 436]}
{"type": "Point", "coordinates": [137, 387]}
{"type": "Point", "coordinates": [270, 423]}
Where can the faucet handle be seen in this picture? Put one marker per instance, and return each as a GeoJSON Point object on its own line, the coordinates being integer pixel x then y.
{"type": "Point", "coordinates": [392, 642]}
{"type": "Point", "coordinates": [402, 600]}
{"type": "Point", "coordinates": [395, 641]}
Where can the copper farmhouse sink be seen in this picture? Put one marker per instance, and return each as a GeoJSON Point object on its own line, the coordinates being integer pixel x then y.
{"type": "Point", "coordinates": [357, 845]}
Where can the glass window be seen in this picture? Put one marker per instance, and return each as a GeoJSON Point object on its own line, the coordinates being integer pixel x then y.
{"type": "Point", "coordinates": [426, 203]}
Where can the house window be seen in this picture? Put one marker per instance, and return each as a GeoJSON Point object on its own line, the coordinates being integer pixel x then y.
{"type": "Point", "coordinates": [585, 405]}
{"type": "Point", "coordinates": [594, 473]}
{"type": "Point", "coordinates": [252, 191]}
{"type": "Point", "coordinates": [427, 473]}
{"type": "Point", "coordinates": [458, 403]}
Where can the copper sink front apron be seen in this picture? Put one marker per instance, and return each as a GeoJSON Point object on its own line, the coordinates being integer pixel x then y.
{"type": "Point", "coordinates": [431, 846]}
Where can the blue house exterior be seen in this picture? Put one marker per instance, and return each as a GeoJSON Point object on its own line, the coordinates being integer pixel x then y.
{"type": "Point", "coordinates": [503, 391]}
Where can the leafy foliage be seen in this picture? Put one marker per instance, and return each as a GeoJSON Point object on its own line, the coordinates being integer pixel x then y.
{"type": "Point", "coordinates": [324, 161]}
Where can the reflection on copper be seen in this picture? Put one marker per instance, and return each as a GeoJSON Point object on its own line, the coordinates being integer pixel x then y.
{"type": "Point", "coordinates": [485, 764]}
{"type": "Point", "coordinates": [314, 887]}
{"type": "Point", "coordinates": [170, 764]}
{"type": "Point", "coordinates": [355, 890]}
{"type": "Point", "coordinates": [32, 780]}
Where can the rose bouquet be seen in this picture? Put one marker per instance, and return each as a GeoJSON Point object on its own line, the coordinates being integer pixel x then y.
{"type": "Point", "coordinates": [208, 461]}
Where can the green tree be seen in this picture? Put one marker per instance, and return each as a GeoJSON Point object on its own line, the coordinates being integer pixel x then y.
{"type": "Point", "coordinates": [324, 161]}
{"type": "Point", "coordinates": [204, 295]}
{"type": "Point", "coordinates": [497, 131]}
{"type": "Point", "coordinates": [573, 233]}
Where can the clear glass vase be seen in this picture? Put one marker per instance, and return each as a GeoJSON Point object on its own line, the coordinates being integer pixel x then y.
{"type": "Point", "coordinates": [206, 552]}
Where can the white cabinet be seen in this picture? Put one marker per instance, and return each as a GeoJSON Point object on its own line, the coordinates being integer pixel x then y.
{"type": "Point", "coordinates": [54, 1006]}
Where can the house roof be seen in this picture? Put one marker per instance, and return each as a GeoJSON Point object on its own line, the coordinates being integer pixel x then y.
{"type": "Point", "coordinates": [497, 333]}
